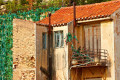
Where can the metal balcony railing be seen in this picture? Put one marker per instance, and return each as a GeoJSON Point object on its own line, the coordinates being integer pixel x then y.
{"type": "Point", "coordinates": [89, 57]}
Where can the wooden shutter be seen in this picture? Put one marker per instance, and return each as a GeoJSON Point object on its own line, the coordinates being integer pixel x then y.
{"type": "Point", "coordinates": [92, 37]}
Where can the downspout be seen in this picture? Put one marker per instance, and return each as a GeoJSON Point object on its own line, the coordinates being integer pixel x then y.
{"type": "Point", "coordinates": [49, 57]}
{"type": "Point", "coordinates": [74, 25]}
{"type": "Point", "coordinates": [74, 22]}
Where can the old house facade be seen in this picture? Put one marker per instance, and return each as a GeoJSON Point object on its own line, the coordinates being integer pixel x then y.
{"type": "Point", "coordinates": [97, 31]}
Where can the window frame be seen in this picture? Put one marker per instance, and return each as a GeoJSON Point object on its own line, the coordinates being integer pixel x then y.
{"type": "Point", "coordinates": [44, 40]}
{"type": "Point", "coordinates": [59, 36]}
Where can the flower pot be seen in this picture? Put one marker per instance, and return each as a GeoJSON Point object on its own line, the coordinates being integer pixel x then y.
{"type": "Point", "coordinates": [74, 62]}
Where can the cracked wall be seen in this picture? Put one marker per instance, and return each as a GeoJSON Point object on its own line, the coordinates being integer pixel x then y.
{"type": "Point", "coordinates": [23, 50]}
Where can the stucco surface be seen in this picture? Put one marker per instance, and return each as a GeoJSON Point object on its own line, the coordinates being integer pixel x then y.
{"type": "Point", "coordinates": [61, 57]}
{"type": "Point", "coordinates": [41, 54]}
{"type": "Point", "coordinates": [117, 43]}
{"type": "Point", "coordinates": [107, 42]}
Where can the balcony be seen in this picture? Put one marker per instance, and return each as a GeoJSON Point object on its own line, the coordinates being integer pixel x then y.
{"type": "Point", "coordinates": [87, 58]}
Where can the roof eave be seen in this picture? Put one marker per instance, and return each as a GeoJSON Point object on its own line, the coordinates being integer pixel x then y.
{"type": "Point", "coordinates": [79, 21]}
{"type": "Point", "coordinates": [42, 24]}
{"type": "Point", "coordinates": [93, 20]}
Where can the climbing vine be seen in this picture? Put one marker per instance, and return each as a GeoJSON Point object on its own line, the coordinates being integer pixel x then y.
{"type": "Point", "coordinates": [78, 52]}
{"type": "Point", "coordinates": [6, 37]}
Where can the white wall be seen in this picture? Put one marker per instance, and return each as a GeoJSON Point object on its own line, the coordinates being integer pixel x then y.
{"type": "Point", "coordinates": [107, 42]}
{"type": "Point", "coordinates": [61, 57]}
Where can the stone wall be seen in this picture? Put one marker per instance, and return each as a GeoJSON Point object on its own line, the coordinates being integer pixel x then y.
{"type": "Point", "coordinates": [24, 50]}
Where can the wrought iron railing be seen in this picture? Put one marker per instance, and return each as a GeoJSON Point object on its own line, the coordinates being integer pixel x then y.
{"type": "Point", "coordinates": [89, 57]}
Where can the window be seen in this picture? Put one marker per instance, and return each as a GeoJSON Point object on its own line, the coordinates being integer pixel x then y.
{"type": "Point", "coordinates": [93, 40]}
{"type": "Point", "coordinates": [92, 37]}
{"type": "Point", "coordinates": [44, 40]}
{"type": "Point", "coordinates": [58, 38]}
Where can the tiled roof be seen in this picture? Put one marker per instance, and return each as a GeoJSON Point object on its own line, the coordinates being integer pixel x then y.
{"type": "Point", "coordinates": [83, 12]}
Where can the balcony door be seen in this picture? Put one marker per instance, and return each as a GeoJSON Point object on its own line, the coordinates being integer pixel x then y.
{"type": "Point", "coordinates": [92, 37]}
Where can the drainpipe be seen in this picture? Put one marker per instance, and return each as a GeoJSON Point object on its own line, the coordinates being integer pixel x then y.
{"type": "Point", "coordinates": [74, 14]}
{"type": "Point", "coordinates": [74, 25]}
{"type": "Point", "coordinates": [49, 23]}
{"type": "Point", "coordinates": [74, 21]}
{"type": "Point", "coordinates": [49, 57]}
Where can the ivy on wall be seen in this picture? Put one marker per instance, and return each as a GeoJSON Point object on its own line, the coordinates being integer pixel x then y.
{"type": "Point", "coordinates": [77, 54]}
{"type": "Point", "coordinates": [6, 37]}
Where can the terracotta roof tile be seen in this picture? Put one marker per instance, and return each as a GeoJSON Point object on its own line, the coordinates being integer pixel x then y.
{"type": "Point", "coordinates": [83, 12]}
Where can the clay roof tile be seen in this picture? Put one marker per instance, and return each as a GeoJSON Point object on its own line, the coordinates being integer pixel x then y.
{"type": "Point", "coordinates": [83, 12]}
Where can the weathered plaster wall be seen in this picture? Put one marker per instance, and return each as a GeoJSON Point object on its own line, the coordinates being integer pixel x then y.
{"type": "Point", "coordinates": [41, 54]}
{"type": "Point", "coordinates": [70, 30]}
{"type": "Point", "coordinates": [61, 57]}
{"type": "Point", "coordinates": [76, 73]}
{"type": "Point", "coordinates": [80, 35]}
{"type": "Point", "coordinates": [116, 17]}
{"type": "Point", "coordinates": [23, 50]}
{"type": "Point", "coordinates": [107, 42]}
